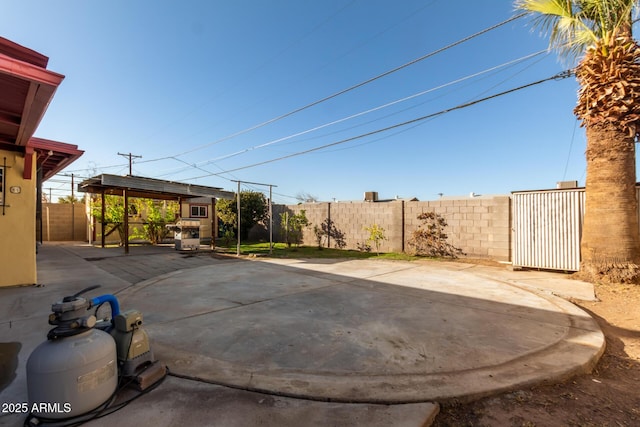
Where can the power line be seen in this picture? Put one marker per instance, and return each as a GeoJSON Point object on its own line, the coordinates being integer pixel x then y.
{"type": "Point", "coordinates": [358, 46]}
{"type": "Point", "coordinates": [417, 124]}
{"type": "Point", "coordinates": [343, 91]}
{"type": "Point", "coordinates": [262, 66]}
{"type": "Point", "coordinates": [380, 107]}
{"type": "Point", "coordinates": [334, 95]}
{"type": "Point", "coordinates": [558, 76]}
{"type": "Point", "coordinates": [573, 136]}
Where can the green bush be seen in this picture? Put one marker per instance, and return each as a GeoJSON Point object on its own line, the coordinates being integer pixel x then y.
{"type": "Point", "coordinates": [292, 227]}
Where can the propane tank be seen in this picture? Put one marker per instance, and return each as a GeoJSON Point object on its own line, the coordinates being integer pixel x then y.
{"type": "Point", "coordinates": [75, 370]}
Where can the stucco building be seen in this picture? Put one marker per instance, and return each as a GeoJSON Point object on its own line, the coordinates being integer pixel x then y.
{"type": "Point", "coordinates": [26, 89]}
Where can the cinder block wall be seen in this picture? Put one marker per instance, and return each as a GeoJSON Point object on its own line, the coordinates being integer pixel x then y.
{"type": "Point", "coordinates": [479, 226]}
{"type": "Point", "coordinates": [57, 224]}
{"type": "Point", "coordinates": [351, 218]}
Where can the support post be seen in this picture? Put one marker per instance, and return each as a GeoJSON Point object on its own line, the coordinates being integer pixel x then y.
{"type": "Point", "coordinates": [73, 211]}
{"type": "Point", "coordinates": [403, 227]}
{"type": "Point", "coordinates": [125, 194]}
{"type": "Point", "coordinates": [329, 224]}
{"type": "Point", "coordinates": [214, 223]}
{"type": "Point", "coordinates": [270, 219]}
{"type": "Point", "coordinates": [104, 222]}
{"type": "Point", "coordinates": [238, 210]}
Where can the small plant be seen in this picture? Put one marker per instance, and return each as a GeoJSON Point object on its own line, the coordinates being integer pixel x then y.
{"type": "Point", "coordinates": [292, 227]}
{"type": "Point", "coordinates": [376, 235]}
{"type": "Point", "coordinates": [157, 217]}
{"type": "Point", "coordinates": [431, 240]}
{"type": "Point", "coordinates": [228, 237]}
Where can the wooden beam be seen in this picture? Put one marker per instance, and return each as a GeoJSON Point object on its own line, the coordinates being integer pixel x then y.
{"type": "Point", "coordinates": [27, 171]}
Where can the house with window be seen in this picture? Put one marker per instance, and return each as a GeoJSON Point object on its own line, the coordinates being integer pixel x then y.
{"type": "Point", "coordinates": [26, 89]}
{"type": "Point", "coordinates": [201, 208]}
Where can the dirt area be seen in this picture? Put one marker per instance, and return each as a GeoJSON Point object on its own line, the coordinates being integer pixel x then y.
{"type": "Point", "coordinates": [609, 396]}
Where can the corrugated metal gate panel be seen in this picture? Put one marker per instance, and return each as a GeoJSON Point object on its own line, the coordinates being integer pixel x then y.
{"type": "Point", "coordinates": [547, 227]}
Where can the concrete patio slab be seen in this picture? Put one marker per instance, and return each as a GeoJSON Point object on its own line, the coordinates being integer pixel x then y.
{"type": "Point", "coordinates": [314, 342]}
{"type": "Point", "coordinates": [362, 330]}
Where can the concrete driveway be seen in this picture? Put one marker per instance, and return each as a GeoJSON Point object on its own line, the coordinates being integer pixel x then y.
{"type": "Point", "coordinates": [316, 342]}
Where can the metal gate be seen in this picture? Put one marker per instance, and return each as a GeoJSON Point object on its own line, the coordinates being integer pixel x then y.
{"type": "Point", "coordinates": [547, 226]}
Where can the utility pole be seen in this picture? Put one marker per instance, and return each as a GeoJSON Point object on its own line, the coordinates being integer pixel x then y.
{"type": "Point", "coordinates": [131, 157]}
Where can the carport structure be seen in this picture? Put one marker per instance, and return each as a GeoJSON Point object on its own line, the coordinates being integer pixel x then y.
{"type": "Point", "coordinates": [149, 188]}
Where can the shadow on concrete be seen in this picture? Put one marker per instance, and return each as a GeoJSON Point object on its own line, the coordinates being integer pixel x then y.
{"type": "Point", "coordinates": [348, 331]}
{"type": "Point", "coordinates": [8, 362]}
{"type": "Point", "coordinates": [361, 331]}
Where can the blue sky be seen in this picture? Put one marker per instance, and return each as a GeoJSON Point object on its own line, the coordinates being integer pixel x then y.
{"type": "Point", "coordinates": [189, 86]}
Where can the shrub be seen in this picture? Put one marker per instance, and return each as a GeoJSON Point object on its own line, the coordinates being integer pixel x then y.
{"type": "Point", "coordinates": [158, 215]}
{"type": "Point", "coordinates": [431, 240]}
{"type": "Point", "coordinates": [376, 235]}
{"type": "Point", "coordinates": [228, 237]}
{"type": "Point", "coordinates": [292, 226]}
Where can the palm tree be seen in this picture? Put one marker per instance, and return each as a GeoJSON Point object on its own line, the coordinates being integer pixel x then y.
{"type": "Point", "coordinates": [70, 199]}
{"type": "Point", "coordinates": [598, 33]}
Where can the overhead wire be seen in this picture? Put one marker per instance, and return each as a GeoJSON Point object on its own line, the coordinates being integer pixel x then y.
{"type": "Point", "coordinates": [423, 122]}
{"type": "Point", "coordinates": [267, 62]}
{"type": "Point", "coordinates": [343, 91]}
{"type": "Point", "coordinates": [235, 179]}
{"type": "Point", "coordinates": [573, 136]}
{"type": "Point", "coordinates": [284, 50]}
{"type": "Point", "coordinates": [368, 40]}
{"type": "Point", "coordinates": [326, 98]}
{"type": "Point", "coordinates": [380, 107]}
{"type": "Point", "coordinates": [415, 125]}
{"type": "Point", "coordinates": [359, 114]}
{"type": "Point", "coordinates": [558, 76]}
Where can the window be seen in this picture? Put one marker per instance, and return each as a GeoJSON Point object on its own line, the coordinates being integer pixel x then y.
{"type": "Point", "coordinates": [198, 211]}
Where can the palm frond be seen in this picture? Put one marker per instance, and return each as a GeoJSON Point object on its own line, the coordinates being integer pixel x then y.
{"type": "Point", "coordinates": [575, 25]}
{"type": "Point", "coordinates": [562, 22]}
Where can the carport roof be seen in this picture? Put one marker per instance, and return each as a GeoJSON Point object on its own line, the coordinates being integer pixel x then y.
{"type": "Point", "coordinates": [149, 188]}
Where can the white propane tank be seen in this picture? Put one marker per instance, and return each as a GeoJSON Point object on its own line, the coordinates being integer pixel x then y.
{"type": "Point", "coordinates": [73, 375]}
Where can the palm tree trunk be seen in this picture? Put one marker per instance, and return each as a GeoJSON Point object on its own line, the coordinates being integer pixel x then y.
{"type": "Point", "coordinates": [610, 243]}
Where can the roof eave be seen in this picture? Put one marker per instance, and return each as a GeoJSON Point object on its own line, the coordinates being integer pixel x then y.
{"type": "Point", "coordinates": [42, 87]}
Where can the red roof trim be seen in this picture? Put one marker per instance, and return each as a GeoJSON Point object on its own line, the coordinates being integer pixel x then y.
{"type": "Point", "coordinates": [22, 53]}
{"type": "Point", "coordinates": [47, 144]}
{"type": "Point", "coordinates": [26, 89]}
{"type": "Point", "coordinates": [53, 156]}
{"type": "Point", "coordinates": [27, 71]}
